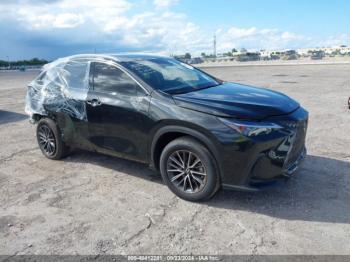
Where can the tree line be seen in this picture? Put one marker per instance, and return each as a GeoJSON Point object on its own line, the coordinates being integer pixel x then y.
{"type": "Point", "coordinates": [31, 62]}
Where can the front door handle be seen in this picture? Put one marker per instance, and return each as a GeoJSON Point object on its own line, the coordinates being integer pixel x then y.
{"type": "Point", "coordinates": [94, 102]}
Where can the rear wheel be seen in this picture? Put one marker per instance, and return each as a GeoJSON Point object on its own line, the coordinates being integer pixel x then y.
{"type": "Point", "coordinates": [188, 169]}
{"type": "Point", "coordinates": [50, 140]}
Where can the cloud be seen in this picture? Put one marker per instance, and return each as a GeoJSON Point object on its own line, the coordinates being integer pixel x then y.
{"type": "Point", "coordinates": [44, 21]}
{"type": "Point", "coordinates": [164, 3]}
{"type": "Point", "coordinates": [254, 38]}
{"type": "Point", "coordinates": [41, 14]}
{"type": "Point", "coordinates": [64, 27]}
{"type": "Point", "coordinates": [109, 22]}
{"type": "Point", "coordinates": [332, 41]}
{"type": "Point", "coordinates": [68, 20]}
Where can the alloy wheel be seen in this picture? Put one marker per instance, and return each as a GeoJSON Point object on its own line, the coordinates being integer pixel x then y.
{"type": "Point", "coordinates": [186, 171]}
{"type": "Point", "coordinates": [47, 140]}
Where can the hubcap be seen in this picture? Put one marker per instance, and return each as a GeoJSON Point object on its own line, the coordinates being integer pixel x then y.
{"type": "Point", "coordinates": [47, 140]}
{"type": "Point", "coordinates": [186, 171]}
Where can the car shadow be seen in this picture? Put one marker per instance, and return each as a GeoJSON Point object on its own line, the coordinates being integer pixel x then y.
{"type": "Point", "coordinates": [125, 166]}
{"type": "Point", "coordinates": [319, 191]}
{"type": "Point", "coordinates": [9, 117]}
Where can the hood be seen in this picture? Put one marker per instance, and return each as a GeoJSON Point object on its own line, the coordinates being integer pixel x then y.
{"type": "Point", "coordinates": [239, 101]}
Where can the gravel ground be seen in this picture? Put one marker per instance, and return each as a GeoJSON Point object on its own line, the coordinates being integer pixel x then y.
{"type": "Point", "coordinates": [95, 204]}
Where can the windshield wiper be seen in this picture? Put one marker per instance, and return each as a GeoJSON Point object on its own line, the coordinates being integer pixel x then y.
{"type": "Point", "coordinates": [187, 89]}
{"type": "Point", "coordinates": [208, 86]}
{"type": "Point", "coordinates": [176, 90]}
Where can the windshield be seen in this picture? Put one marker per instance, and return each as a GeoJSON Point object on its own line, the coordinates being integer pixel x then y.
{"type": "Point", "coordinates": [169, 75]}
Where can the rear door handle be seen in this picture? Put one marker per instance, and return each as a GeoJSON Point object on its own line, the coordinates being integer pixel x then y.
{"type": "Point", "coordinates": [94, 102]}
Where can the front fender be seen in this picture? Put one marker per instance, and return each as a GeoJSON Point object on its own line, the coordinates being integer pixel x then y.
{"type": "Point", "coordinates": [205, 139]}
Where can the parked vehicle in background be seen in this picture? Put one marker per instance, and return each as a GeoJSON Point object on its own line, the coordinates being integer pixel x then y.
{"type": "Point", "coordinates": [196, 60]}
{"type": "Point", "coordinates": [201, 133]}
{"type": "Point", "coordinates": [290, 55]}
{"type": "Point", "coordinates": [317, 55]}
{"type": "Point", "coordinates": [248, 56]}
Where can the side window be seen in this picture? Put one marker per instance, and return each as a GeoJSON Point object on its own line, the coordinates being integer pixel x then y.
{"type": "Point", "coordinates": [75, 74]}
{"type": "Point", "coordinates": [111, 80]}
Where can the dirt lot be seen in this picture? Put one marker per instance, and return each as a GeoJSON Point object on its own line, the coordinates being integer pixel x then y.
{"type": "Point", "coordinates": [94, 204]}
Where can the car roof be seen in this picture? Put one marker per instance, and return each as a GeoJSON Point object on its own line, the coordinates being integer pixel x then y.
{"type": "Point", "coordinates": [117, 57]}
{"type": "Point", "coordinates": [103, 57]}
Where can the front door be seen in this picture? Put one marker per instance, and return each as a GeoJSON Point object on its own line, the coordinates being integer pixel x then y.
{"type": "Point", "coordinates": [117, 112]}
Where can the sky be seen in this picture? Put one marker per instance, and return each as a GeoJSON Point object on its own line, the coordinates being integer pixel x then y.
{"type": "Point", "coordinates": [54, 28]}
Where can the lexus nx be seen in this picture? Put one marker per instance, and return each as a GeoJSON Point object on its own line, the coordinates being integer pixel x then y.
{"type": "Point", "coordinates": [199, 132]}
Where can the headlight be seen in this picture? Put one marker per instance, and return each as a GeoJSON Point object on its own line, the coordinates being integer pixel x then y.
{"type": "Point", "coordinates": [249, 128]}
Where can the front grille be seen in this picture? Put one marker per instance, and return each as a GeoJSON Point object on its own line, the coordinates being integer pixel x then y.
{"type": "Point", "coordinates": [298, 144]}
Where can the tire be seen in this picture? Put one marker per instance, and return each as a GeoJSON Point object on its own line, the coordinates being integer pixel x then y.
{"type": "Point", "coordinates": [174, 172]}
{"type": "Point", "coordinates": [50, 140]}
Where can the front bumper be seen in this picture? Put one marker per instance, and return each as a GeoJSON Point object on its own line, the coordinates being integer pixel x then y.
{"type": "Point", "coordinates": [255, 185]}
{"type": "Point", "coordinates": [268, 161]}
{"type": "Point", "coordinates": [291, 169]}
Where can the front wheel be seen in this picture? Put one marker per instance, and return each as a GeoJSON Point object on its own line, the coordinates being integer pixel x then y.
{"type": "Point", "coordinates": [188, 169]}
{"type": "Point", "coordinates": [50, 140]}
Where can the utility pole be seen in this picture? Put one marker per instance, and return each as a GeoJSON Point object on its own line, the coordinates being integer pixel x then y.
{"type": "Point", "coordinates": [214, 43]}
{"type": "Point", "coordinates": [8, 60]}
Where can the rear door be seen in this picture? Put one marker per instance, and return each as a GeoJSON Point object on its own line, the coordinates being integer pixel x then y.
{"type": "Point", "coordinates": [117, 112]}
{"type": "Point", "coordinates": [66, 91]}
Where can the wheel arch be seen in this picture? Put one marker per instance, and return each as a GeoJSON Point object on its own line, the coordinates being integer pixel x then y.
{"type": "Point", "coordinates": [35, 118]}
{"type": "Point", "coordinates": [169, 133]}
{"type": "Point", "coordinates": [63, 122]}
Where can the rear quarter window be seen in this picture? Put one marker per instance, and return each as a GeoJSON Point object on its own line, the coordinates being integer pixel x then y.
{"type": "Point", "coordinates": [75, 74]}
{"type": "Point", "coordinates": [41, 78]}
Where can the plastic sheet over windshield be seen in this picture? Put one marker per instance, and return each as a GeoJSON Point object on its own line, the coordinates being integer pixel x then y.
{"type": "Point", "coordinates": [169, 75]}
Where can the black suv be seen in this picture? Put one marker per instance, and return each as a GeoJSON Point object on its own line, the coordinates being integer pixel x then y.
{"type": "Point", "coordinates": [201, 133]}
